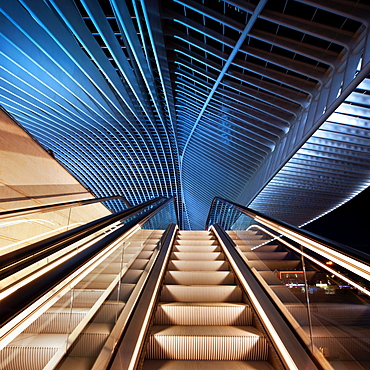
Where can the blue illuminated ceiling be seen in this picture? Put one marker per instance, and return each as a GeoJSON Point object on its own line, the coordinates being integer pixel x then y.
{"type": "Point", "coordinates": [253, 101]}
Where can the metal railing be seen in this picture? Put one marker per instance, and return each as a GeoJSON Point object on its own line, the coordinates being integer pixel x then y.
{"type": "Point", "coordinates": [321, 287]}
{"type": "Point", "coordinates": [57, 206]}
{"type": "Point", "coordinates": [291, 350]}
{"type": "Point", "coordinates": [23, 257]}
{"type": "Point", "coordinates": [104, 260]}
{"type": "Point", "coordinates": [227, 214]}
{"type": "Point", "coordinates": [15, 298]}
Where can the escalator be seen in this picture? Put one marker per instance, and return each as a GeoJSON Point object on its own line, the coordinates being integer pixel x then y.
{"type": "Point", "coordinates": [203, 318]}
{"type": "Point", "coordinates": [144, 294]}
{"type": "Point", "coordinates": [62, 296]}
{"type": "Point", "coordinates": [334, 315]}
{"type": "Point", "coordinates": [89, 343]}
{"type": "Point", "coordinates": [322, 288]}
{"type": "Point", "coordinates": [44, 341]}
{"type": "Point", "coordinates": [209, 312]}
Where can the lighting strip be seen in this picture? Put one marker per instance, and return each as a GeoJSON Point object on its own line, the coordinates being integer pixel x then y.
{"type": "Point", "coordinates": [347, 262]}
{"type": "Point", "coordinates": [280, 346]}
{"type": "Point", "coordinates": [322, 265]}
{"type": "Point", "coordinates": [43, 236]}
{"type": "Point", "coordinates": [13, 328]}
{"type": "Point", "coordinates": [4, 293]}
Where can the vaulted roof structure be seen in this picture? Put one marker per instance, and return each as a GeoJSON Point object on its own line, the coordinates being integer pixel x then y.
{"type": "Point", "coordinates": [265, 103]}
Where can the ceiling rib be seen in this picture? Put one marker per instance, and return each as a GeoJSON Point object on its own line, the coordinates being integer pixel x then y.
{"type": "Point", "coordinates": [231, 57]}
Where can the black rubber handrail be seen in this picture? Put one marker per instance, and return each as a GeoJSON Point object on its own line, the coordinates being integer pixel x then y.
{"type": "Point", "coordinates": [23, 297]}
{"type": "Point", "coordinates": [342, 248]}
{"type": "Point", "coordinates": [58, 206]}
{"type": "Point", "coordinates": [30, 254]}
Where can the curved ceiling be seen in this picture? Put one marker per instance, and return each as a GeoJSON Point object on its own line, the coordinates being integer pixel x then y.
{"type": "Point", "coordinates": [196, 98]}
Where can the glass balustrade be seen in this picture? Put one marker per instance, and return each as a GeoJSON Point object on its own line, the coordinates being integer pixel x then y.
{"type": "Point", "coordinates": [79, 313]}
{"type": "Point", "coordinates": [323, 292]}
{"type": "Point", "coordinates": [18, 232]}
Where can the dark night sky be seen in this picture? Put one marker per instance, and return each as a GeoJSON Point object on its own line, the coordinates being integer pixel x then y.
{"type": "Point", "coordinates": [348, 224]}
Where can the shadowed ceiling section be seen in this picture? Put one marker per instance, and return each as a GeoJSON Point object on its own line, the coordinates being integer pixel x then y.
{"type": "Point", "coordinates": [196, 98]}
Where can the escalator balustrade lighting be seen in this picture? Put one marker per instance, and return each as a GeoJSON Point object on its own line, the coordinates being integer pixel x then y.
{"type": "Point", "coordinates": [41, 236]}
{"type": "Point", "coordinates": [325, 266]}
{"type": "Point", "coordinates": [288, 360]}
{"type": "Point", "coordinates": [50, 266]}
{"type": "Point", "coordinates": [20, 322]}
{"type": "Point", "coordinates": [347, 262]}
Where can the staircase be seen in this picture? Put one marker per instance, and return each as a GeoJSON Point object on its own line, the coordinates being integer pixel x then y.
{"type": "Point", "coordinates": [202, 320]}
{"type": "Point", "coordinates": [340, 318]}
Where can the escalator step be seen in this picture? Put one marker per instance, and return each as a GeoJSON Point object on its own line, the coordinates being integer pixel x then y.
{"type": "Point", "coordinates": [198, 293]}
{"type": "Point", "coordinates": [205, 365]}
{"type": "Point", "coordinates": [219, 313]}
{"type": "Point", "coordinates": [206, 343]}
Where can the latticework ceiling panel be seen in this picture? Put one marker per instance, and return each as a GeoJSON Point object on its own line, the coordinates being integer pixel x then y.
{"type": "Point", "coordinates": [196, 98]}
{"type": "Point", "coordinates": [329, 169]}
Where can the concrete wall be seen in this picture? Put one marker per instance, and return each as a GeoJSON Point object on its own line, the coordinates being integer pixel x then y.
{"type": "Point", "coordinates": [29, 176]}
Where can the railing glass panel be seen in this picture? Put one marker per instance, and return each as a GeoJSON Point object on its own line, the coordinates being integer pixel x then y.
{"type": "Point", "coordinates": [18, 232]}
{"type": "Point", "coordinates": [84, 307]}
{"type": "Point", "coordinates": [162, 218]}
{"type": "Point", "coordinates": [323, 292]}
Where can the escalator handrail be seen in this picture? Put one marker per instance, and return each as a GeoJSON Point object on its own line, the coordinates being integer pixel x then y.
{"type": "Point", "coordinates": [26, 295]}
{"type": "Point", "coordinates": [129, 347]}
{"type": "Point", "coordinates": [58, 206]}
{"type": "Point", "coordinates": [28, 255]}
{"type": "Point", "coordinates": [357, 255]}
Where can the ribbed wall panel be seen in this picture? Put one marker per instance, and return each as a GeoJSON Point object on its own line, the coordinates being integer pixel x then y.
{"type": "Point", "coordinates": [198, 314]}
{"type": "Point", "coordinates": [207, 348]}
